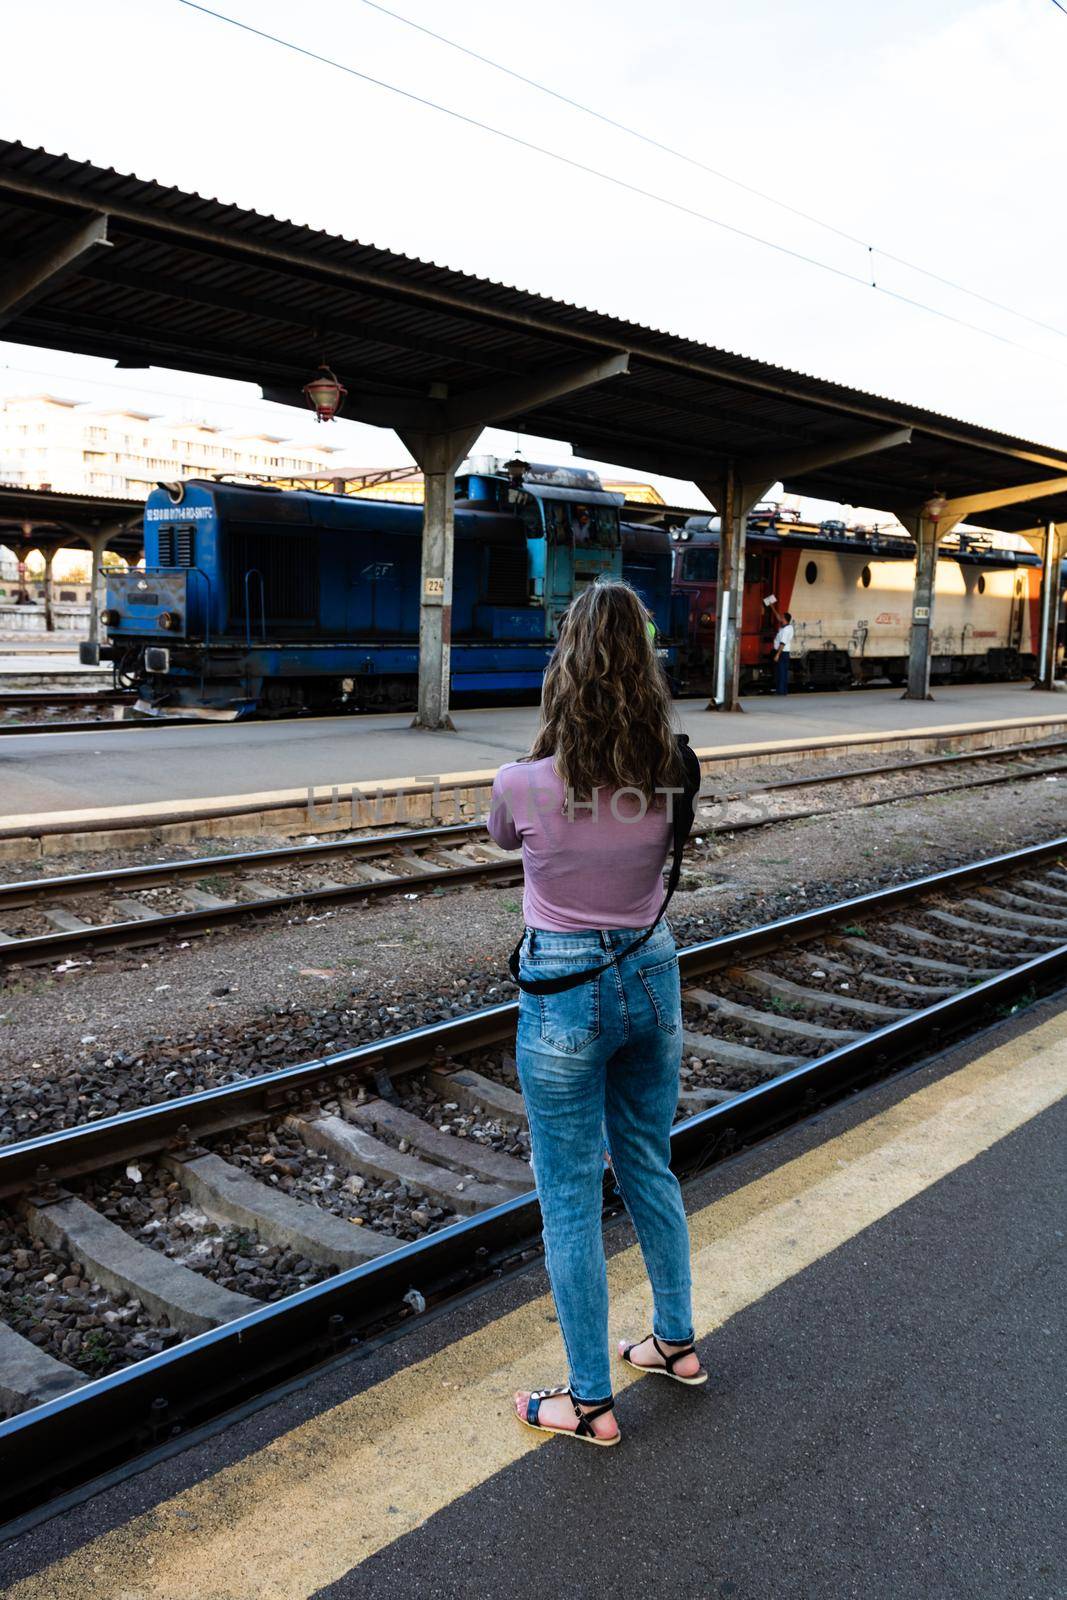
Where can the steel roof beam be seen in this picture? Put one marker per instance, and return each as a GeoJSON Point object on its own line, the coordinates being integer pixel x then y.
{"type": "Point", "coordinates": [776, 466]}
{"type": "Point", "coordinates": [967, 505]}
{"type": "Point", "coordinates": [496, 402]}
{"type": "Point", "coordinates": [61, 250]}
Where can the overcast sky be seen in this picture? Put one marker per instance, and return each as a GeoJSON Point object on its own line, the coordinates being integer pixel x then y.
{"type": "Point", "coordinates": [929, 128]}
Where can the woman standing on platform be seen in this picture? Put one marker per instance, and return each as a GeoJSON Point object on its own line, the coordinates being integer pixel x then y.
{"type": "Point", "coordinates": [600, 1029]}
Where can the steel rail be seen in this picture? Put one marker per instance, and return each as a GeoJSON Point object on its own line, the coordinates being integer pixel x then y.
{"type": "Point", "coordinates": [950, 758]}
{"type": "Point", "coordinates": [29, 698]}
{"type": "Point", "coordinates": [153, 930]}
{"type": "Point", "coordinates": [28, 890]}
{"type": "Point", "coordinates": [123, 726]}
{"type": "Point", "coordinates": [744, 824]}
{"type": "Point", "coordinates": [68, 1441]}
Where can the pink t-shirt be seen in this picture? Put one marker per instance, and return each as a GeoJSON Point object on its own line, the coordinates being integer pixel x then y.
{"type": "Point", "coordinates": [601, 869]}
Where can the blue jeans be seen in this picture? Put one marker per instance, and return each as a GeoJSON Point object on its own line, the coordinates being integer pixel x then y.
{"type": "Point", "coordinates": [603, 1059]}
{"type": "Point", "coordinates": [781, 673]}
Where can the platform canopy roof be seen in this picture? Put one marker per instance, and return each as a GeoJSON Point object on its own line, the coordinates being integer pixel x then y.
{"type": "Point", "coordinates": [102, 263]}
{"type": "Point", "coordinates": [42, 517]}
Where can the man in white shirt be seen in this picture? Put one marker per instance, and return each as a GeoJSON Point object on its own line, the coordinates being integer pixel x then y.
{"type": "Point", "coordinates": [782, 641]}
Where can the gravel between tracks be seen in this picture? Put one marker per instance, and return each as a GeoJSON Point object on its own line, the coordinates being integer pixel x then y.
{"type": "Point", "coordinates": [131, 1027]}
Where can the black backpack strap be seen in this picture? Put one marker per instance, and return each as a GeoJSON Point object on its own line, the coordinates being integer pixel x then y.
{"type": "Point", "coordinates": [682, 821]}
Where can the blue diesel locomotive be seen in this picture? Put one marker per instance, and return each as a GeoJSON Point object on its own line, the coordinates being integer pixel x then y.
{"type": "Point", "coordinates": [260, 600]}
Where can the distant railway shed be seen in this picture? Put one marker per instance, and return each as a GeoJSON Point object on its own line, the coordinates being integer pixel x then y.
{"type": "Point", "coordinates": [48, 521]}
{"type": "Point", "coordinates": [105, 263]}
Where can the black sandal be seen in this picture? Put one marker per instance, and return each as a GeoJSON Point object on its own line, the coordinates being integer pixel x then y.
{"type": "Point", "coordinates": [583, 1431]}
{"type": "Point", "coordinates": [667, 1370]}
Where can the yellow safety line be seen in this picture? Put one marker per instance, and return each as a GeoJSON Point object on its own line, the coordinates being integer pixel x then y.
{"type": "Point", "coordinates": [300, 1513]}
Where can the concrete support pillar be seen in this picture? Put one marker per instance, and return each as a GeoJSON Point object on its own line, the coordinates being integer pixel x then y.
{"type": "Point", "coordinates": [49, 619]}
{"type": "Point", "coordinates": [438, 454]}
{"type": "Point", "coordinates": [733, 498]}
{"type": "Point", "coordinates": [926, 531]}
{"type": "Point", "coordinates": [23, 553]}
{"type": "Point", "coordinates": [726, 679]}
{"type": "Point", "coordinates": [98, 543]}
{"type": "Point", "coordinates": [1048, 643]}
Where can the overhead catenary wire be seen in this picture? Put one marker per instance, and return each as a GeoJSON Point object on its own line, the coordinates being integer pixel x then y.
{"type": "Point", "coordinates": [717, 172]}
{"type": "Point", "coordinates": [612, 178]}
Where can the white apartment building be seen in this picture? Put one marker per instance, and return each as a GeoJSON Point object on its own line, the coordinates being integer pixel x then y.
{"type": "Point", "coordinates": [50, 443]}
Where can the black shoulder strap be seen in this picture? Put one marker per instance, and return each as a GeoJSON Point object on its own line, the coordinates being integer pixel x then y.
{"type": "Point", "coordinates": [682, 818]}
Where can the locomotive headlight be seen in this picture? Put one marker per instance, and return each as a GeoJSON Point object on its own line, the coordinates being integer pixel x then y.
{"type": "Point", "coordinates": [169, 620]}
{"type": "Point", "coordinates": [705, 618]}
{"type": "Point", "coordinates": [109, 617]}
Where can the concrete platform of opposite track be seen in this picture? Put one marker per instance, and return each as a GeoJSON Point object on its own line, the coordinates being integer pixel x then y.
{"type": "Point", "coordinates": [78, 777]}
{"type": "Point", "coordinates": [881, 1300]}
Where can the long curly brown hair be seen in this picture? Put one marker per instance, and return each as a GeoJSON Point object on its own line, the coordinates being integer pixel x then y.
{"type": "Point", "coordinates": [606, 703]}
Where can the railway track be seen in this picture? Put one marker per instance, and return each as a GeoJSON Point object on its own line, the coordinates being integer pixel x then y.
{"type": "Point", "coordinates": [120, 906]}
{"type": "Point", "coordinates": [43, 920]}
{"type": "Point", "coordinates": [38, 704]}
{"type": "Point", "coordinates": [161, 1265]}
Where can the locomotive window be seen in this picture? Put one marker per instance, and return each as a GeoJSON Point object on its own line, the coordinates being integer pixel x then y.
{"type": "Point", "coordinates": [700, 566]}
{"type": "Point", "coordinates": [811, 572]}
{"type": "Point", "coordinates": [865, 577]}
{"type": "Point", "coordinates": [595, 525]}
{"type": "Point", "coordinates": [981, 583]}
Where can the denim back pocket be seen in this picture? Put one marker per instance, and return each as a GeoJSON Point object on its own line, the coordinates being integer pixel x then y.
{"type": "Point", "coordinates": [663, 987]}
{"type": "Point", "coordinates": [569, 1022]}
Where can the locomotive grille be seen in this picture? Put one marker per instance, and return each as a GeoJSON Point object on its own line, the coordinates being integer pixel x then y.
{"type": "Point", "coordinates": [289, 568]}
{"type": "Point", "coordinates": [176, 544]}
{"type": "Point", "coordinates": [506, 578]}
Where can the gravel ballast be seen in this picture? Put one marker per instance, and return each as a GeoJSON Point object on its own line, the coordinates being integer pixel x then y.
{"type": "Point", "coordinates": [133, 1027]}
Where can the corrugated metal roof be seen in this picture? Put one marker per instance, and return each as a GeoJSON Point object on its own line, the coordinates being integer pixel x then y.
{"type": "Point", "coordinates": [53, 513]}
{"type": "Point", "coordinates": [205, 286]}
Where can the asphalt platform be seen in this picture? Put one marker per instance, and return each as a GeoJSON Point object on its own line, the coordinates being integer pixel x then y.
{"type": "Point", "coordinates": [881, 1299]}
{"type": "Point", "coordinates": [85, 774]}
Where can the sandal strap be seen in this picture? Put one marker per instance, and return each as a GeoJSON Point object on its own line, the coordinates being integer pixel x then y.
{"type": "Point", "coordinates": [533, 1405]}
{"type": "Point", "coordinates": [585, 1430]}
{"type": "Point", "coordinates": [669, 1360]}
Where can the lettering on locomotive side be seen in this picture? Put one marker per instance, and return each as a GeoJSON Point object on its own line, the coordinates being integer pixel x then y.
{"type": "Point", "coordinates": [178, 513]}
{"type": "Point", "coordinates": [889, 617]}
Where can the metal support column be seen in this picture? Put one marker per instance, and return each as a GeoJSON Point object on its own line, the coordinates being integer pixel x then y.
{"type": "Point", "coordinates": [1050, 609]}
{"type": "Point", "coordinates": [438, 454]}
